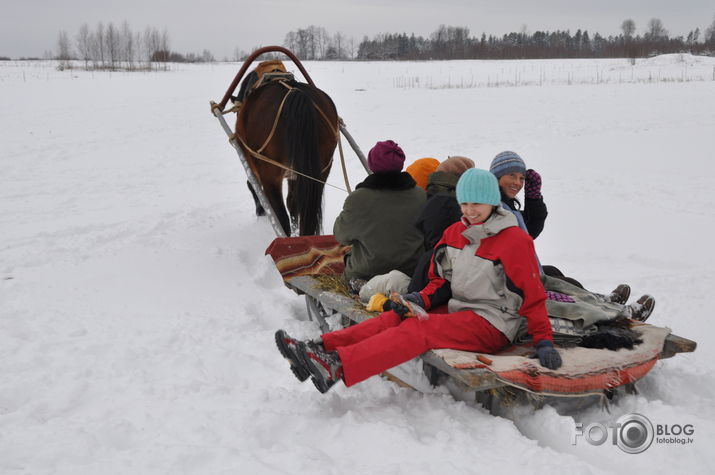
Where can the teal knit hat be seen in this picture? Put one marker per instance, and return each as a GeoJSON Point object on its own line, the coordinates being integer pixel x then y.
{"type": "Point", "coordinates": [478, 186]}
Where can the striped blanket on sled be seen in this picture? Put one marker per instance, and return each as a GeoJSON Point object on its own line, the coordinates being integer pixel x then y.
{"type": "Point", "coordinates": [584, 370]}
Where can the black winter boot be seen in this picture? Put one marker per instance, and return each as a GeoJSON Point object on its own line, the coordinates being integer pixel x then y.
{"type": "Point", "coordinates": [324, 366]}
{"type": "Point", "coordinates": [290, 348]}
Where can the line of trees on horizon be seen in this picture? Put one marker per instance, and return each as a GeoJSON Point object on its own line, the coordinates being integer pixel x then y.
{"type": "Point", "coordinates": [449, 42]}
{"type": "Point", "coordinates": [113, 47]}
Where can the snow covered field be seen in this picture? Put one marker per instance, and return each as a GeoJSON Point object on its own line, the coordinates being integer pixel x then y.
{"type": "Point", "coordinates": [137, 310]}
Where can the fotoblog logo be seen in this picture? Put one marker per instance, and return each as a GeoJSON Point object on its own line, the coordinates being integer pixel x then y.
{"type": "Point", "coordinates": [632, 433]}
{"type": "Point", "coordinates": [635, 433]}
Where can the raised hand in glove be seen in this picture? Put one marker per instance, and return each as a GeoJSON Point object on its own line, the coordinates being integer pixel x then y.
{"type": "Point", "coordinates": [547, 354]}
{"type": "Point", "coordinates": [532, 185]}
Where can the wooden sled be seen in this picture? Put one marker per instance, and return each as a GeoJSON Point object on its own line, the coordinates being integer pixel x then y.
{"type": "Point", "coordinates": [586, 372]}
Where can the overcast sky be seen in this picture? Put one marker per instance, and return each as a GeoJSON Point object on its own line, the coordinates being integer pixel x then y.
{"type": "Point", "coordinates": [30, 27]}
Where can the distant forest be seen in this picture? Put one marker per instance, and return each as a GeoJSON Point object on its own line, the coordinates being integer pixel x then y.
{"type": "Point", "coordinates": [112, 47]}
{"type": "Point", "coordinates": [450, 42]}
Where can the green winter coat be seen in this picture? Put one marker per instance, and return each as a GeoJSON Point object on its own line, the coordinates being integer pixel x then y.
{"type": "Point", "coordinates": [441, 182]}
{"type": "Point", "coordinates": [377, 220]}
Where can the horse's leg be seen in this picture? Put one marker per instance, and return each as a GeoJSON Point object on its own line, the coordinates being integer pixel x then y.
{"type": "Point", "coordinates": [259, 208]}
{"type": "Point", "coordinates": [274, 194]}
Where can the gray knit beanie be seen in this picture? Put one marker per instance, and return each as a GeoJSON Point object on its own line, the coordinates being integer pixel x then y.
{"type": "Point", "coordinates": [505, 163]}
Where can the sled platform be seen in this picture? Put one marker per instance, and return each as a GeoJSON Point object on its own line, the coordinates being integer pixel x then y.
{"type": "Point", "coordinates": [585, 371]}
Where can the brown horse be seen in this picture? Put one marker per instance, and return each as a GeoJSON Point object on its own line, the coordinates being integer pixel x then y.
{"type": "Point", "coordinates": [296, 125]}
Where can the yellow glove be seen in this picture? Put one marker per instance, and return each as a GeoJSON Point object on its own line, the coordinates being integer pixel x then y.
{"type": "Point", "coordinates": [376, 303]}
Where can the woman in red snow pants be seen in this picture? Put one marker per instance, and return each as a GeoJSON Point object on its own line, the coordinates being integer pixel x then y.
{"type": "Point", "coordinates": [484, 268]}
{"type": "Point", "coordinates": [387, 340]}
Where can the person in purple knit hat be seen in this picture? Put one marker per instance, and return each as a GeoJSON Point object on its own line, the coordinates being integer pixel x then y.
{"type": "Point", "coordinates": [378, 218]}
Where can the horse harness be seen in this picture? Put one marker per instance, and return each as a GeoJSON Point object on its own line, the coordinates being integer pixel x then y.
{"type": "Point", "coordinates": [283, 78]}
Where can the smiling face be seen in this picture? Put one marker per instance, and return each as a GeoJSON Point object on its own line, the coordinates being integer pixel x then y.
{"type": "Point", "coordinates": [476, 212]}
{"type": "Point", "coordinates": [512, 183]}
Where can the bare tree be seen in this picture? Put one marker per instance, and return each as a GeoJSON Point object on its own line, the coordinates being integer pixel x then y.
{"type": "Point", "coordinates": [291, 41]}
{"type": "Point", "coordinates": [656, 30]}
{"type": "Point", "coordinates": [239, 54]}
{"type": "Point", "coordinates": [351, 48]}
{"type": "Point", "coordinates": [312, 42]}
{"type": "Point", "coordinates": [302, 44]}
{"type": "Point", "coordinates": [152, 44]}
{"type": "Point", "coordinates": [709, 38]}
{"type": "Point", "coordinates": [112, 44]}
{"type": "Point", "coordinates": [94, 49]}
{"type": "Point", "coordinates": [165, 40]}
{"type": "Point", "coordinates": [207, 57]}
{"type": "Point", "coordinates": [126, 45]}
{"type": "Point", "coordinates": [459, 39]}
{"type": "Point", "coordinates": [321, 41]}
{"type": "Point", "coordinates": [63, 49]}
{"type": "Point", "coordinates": [315, 42]}
{"type": "Point", "coordinates": [139, 53]}
{"type": "Point", "coordinates": [83, 43]}
{"type": "Point", "coordinates": [339, 44]}
{"type": "Point", "coordinates": [439, 41]}
{"type": "Point", "coordinates": [164, 47]}
{"type": "Point", "coordinates": [99, 43]}
{"type": "Point", "coordinates": [146, 45]}
{"type": "Point", "coordinates": [628, 27]}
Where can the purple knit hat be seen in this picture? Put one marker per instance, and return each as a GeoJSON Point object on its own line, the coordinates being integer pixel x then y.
{"type": "Point", "coordinates": [385, 157]}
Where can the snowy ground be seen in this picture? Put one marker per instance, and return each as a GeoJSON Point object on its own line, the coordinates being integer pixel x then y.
{"type": "Point", "coordinates": [137, 310]}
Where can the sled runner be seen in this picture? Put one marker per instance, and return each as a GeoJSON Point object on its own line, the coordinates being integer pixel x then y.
{"type": "Point", "coordinates": [304, 262]}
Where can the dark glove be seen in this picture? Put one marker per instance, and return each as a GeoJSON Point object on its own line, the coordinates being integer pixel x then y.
{"type": "Point", "coordinates": [415, 297]}
{"type": "Point", "coordinates": [548, 356]}
{"type": "Point", "coordinates": [532, 186]}
{"type": "Point", "coordinates": [398, 308]}
{"type": "Point", "coordinates": [401, 309]}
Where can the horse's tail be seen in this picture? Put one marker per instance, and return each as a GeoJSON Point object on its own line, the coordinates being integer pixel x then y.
{"type": "Point", "coordinates": [300, 125]}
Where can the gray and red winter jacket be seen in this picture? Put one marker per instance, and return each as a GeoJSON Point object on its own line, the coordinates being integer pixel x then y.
{"type": "Point", "coordinates": [491, 269]}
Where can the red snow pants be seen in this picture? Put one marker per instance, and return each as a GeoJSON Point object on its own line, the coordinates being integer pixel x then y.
{"type": "Point", "coordinates": [378, 344]}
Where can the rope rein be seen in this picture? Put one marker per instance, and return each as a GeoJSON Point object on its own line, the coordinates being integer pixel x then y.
{"type": "Point", "coordinates": [259, 155]}
{"type": "Point", "coordinates": [280, 165]}
{"type": "Point", "coordinates": [275, 122]}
